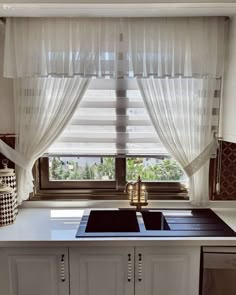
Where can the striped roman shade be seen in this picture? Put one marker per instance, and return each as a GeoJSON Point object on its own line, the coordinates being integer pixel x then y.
{"type": "Point", "coordinates": [111, 120]}
{"type": "Point", "coordinates": [216, 106]}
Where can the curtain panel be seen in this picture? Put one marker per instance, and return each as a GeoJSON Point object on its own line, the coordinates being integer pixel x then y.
{"type": "Point", "coordinates": [43, 108]}
{"type": "Point", "coordinates": [181, 112]}
{"type": "Point", "coordinates": [114, 47]}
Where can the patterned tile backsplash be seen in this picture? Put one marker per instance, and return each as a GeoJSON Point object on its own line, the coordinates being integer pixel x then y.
{"type": "Point", "coordinates": [228, 172]}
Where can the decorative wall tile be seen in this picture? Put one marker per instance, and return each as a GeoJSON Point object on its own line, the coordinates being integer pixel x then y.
{"type": "Point", "coordinates": [228, 172]}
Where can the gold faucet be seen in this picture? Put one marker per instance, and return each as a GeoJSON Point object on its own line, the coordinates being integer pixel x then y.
{"type": "Point", "coordinates": [137, 193]}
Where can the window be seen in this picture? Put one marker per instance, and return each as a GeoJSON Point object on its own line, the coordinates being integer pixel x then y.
{"type": "Point", "coordinates": [81, 168]}
{"type": "Point", "coordinates": [109, 141]}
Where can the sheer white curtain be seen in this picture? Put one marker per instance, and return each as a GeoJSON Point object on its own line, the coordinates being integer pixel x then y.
{"type": "Point", "coordinates": [191, 48]}
{"type": "Point", "coordinates": [43, 107]}
{"type": "Point", "coordinates": [181, 112]}
{"type": "Point", "coordinates": [113, 47]}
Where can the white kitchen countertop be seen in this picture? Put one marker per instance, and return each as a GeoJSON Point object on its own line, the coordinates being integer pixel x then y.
{"type": "Point", "coordinates": [58, 226]}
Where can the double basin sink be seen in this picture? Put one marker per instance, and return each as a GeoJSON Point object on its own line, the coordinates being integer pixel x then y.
{"type": "Point", "coordinates": [152, 223]}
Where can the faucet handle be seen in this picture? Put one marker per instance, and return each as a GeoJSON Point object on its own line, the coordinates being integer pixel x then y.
{"type": "Point", "coordinates": [127, 186]}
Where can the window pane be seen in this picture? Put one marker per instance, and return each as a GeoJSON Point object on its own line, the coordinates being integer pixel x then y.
{"type": "Point", "coordinates": [81, 168]}
{"type": "Point", "coordinates": [153, 169]}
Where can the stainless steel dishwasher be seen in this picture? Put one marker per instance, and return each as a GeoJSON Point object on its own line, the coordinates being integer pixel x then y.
{"type": "Point", "coordinates": [219, 271]}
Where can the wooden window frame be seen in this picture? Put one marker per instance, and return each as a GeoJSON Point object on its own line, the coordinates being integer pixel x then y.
{"type": "Point", "coordinates": [99, 190]}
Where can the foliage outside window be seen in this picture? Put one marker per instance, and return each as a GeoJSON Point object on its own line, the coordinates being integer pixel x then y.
{"type": "Point", "coordinates": [90, 168]}
{"type": "Point", "coordinates": [149, 169]}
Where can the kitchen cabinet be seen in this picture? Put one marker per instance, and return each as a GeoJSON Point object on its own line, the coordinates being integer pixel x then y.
{"type": "Point", "coordinates": [34, 271]}
{"type": "Point", "coordinates": [167, 270]}
{"type": "Point", "coordinates": [138, 270]}
{"type": "Point", "coordinates": [102, 271]}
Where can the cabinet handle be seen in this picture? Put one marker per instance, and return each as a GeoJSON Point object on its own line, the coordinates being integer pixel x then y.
{"type": "Point", "coordinates": [129, 268]}
{"type": "Point", "coordinates": [62, 263]}
{"type": "Point", "coordinates": [140, 267]}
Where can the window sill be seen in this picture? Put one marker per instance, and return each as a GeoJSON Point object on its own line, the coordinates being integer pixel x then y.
{"type": "Point", "coordinates": [103, 195]}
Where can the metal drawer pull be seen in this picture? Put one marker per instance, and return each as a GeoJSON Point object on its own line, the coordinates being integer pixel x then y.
{"type": "Point", "coordinates": [129, 268]}
{"type": "Point", "coordinates": [62, 262]}
{"type": "Point", "coordinates": [140, 267]}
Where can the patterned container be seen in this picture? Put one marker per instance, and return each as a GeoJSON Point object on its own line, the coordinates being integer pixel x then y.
{"type": "Point", "coordinates": [9, 177]}
{"type": "Point", "coordinates": [7, 205]}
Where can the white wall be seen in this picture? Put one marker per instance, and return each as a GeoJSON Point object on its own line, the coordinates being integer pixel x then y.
{"type": "Point", "coordinates": [117, 1]}
{"type": "Point", "coordinates": [6, 94]}
{"type": "Point", "coordinates": [229, 87]}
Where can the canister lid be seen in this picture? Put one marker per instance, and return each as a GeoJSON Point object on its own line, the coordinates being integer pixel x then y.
{"type": "Point", "coordinates": [4, 188]}
{"type": "Point", "coordinates": [6, 171]}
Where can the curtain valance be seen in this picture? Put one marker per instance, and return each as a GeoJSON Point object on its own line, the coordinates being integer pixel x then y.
{"type": "Point", "coordinates": [114, 47]}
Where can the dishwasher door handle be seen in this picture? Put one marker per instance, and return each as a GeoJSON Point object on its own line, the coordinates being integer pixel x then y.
{"type": "Point", "coordinates": [219, 260]}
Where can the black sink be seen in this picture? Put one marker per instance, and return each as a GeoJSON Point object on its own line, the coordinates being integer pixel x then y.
{"type": "Point", "coordinates": [112, 221]}
{"type": "Point", "coordinates": [154, 221]}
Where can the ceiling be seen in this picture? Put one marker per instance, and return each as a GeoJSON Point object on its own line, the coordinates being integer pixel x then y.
{"type": "Point", "coordinates": [134, 8]}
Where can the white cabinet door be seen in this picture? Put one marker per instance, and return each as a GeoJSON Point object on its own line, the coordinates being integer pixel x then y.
{"type": "Point", "coordinates": [34, 271]}
{"type": "Point", "coordinates": [167, 270]}
{"type": "Point", "coordinates": [102, 271]}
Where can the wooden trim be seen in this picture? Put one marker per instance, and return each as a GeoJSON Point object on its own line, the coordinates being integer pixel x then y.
{"type": "Point", "coordinates": [120, 174]}
{"type": "Point", "coordinates": [212, 178]}
{"type": "Point", "coordinates": [45, 183]}
{"type": "Point", "coordinates": [58, 184]}
{"type": "Point", "coordinates": [99, 195]}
